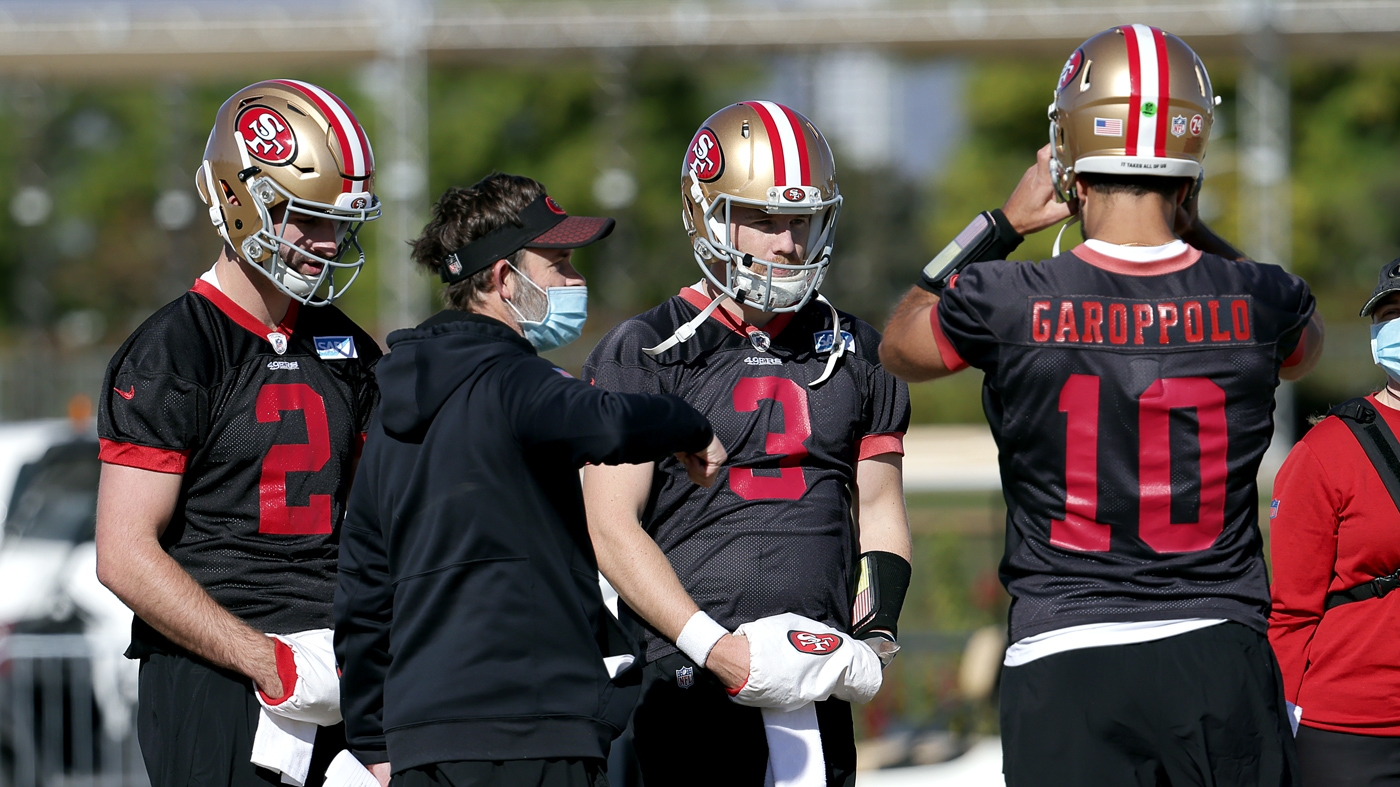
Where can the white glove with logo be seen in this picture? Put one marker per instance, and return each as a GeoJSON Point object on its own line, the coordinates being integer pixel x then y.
{"type": "Point", "coordinates": [313, 691]}
{"type": "Point", "coordinates": [795, 660]}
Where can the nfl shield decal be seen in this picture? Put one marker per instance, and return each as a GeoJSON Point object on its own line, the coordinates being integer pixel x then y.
{"type": "Point", "coordinates": [760, 341]}
{"type": "Point", "coordinates": [685, 677]}
{"type": "Point", "coordinates": [336, 348]}
{"type": "Point", "coordinates": [279, 342]}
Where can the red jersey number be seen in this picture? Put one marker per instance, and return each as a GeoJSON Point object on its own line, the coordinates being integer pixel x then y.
{"type": "Point", "coordinates": [790, 483]}
{"type": "Point", "coordinates": [1079, 401]}
{"type": "Point", "coordinates": [275, 516]}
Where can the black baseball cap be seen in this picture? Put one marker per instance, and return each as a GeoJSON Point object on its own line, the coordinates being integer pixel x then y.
{"type": "Point", "coordinates": [1389, 282]}
{"type": "Point", "coordinates": [542, 225]}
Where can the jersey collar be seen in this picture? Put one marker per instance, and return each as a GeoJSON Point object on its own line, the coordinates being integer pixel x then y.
{"type": "Point", "coordinates": [1112, 264]}
{"type": "Point", "coordinates": [774, 327]}
{"type": "Point", "coordinates": [241, 316]}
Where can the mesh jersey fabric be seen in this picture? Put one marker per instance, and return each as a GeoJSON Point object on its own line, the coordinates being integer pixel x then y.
{"type": "Point", "coordinates": [265, 442]}
{"type": "Point", "coordinates": [1131, 404]}
{"type": "Point", "coordinates": [774, 533]}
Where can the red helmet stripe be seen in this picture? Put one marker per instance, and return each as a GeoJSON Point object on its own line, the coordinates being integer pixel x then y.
{"type": "Point", "coordinates": [804, 166]}
{"type": "Point", "coordinates": [1164, 90]}
{"type": "Point", "coordinates": [346, 129]}
{"type": "Point", "coordinates": [1134, 87]}
{"type": "Point", "coordinates": [775, 142]}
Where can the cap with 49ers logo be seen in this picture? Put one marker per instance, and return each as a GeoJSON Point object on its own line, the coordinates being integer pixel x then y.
{"type": "Point", "coordinates": [542, 225]}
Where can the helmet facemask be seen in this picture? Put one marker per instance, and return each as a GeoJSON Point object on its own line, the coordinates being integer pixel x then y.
{"type": "Point", "coordinates": [766, 285]}
{"type": "Point", "coordinates": [268, 248]}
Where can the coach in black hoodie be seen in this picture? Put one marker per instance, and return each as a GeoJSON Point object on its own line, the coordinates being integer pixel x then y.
{"type": "Point", "coordinates": [469, 625]}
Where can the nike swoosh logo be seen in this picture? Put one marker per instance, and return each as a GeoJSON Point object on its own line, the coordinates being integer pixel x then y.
{"type": "Point", "coordinates": [126, 394]}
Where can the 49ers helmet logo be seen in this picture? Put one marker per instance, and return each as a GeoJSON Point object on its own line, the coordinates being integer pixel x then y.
{"type": "Point", "coordinates": [553, 206]}
{"type": "Point", "coordinates": [705, 158]}
{"type": "Point", "coordinates": [267, 135]}
{"type": "Point", "coordinates": [819, 644]}
{"type": "Point", "coordinates": [1071, 68]}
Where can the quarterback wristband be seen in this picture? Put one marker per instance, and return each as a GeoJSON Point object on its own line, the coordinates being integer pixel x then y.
{"type": "Point", "coordinates": [699, 636]}
{"type": "Point", "coordinates": [989, 236]}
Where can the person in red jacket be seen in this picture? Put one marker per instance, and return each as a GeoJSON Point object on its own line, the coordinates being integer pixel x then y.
{"type": "Point", "coordinates": [1334, 527]}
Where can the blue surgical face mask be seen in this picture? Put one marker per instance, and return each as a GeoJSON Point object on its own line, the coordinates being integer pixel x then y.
{"type": "Point", "coordinates": [1385, 346]}
{"type": "Point", "coordinates": [563, 318]}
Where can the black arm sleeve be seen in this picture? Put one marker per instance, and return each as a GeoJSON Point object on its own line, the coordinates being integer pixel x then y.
{"type": "Point", "coordinates": [364, 599]}
{"type": "Point", "coordinates": [558, 413]}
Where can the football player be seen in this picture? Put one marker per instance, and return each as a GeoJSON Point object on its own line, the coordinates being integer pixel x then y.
{"type": "Point", "coordinates": [1130, 387]}
{"type": "Point", "coordinates": [229, 424]}
{"type": "Point", "coordinates": [814, 429]}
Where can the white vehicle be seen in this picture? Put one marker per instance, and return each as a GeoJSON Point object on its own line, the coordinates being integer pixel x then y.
{"type": "Point", "coordinates": [48, 557]}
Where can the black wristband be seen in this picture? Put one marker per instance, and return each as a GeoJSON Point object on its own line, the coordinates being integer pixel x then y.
{"type": "Point", "coordinates": [989, 236]}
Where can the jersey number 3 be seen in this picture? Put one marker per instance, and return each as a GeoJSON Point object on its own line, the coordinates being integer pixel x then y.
{"type": "Point", "coordinates": [1079, 401]}
{"type": "Point", "coordinates": [275, 516]}
{"type": "Point", "coordinates": [790, 483]}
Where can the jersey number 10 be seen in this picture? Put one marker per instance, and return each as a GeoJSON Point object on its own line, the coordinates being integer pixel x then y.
{"type": "Point", "coordinates": [1080, 530]}
{"type": "Point", "coordinates": [274, 515]}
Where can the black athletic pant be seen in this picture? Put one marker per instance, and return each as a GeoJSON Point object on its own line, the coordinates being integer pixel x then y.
{"type": "Point", "coordinates": [698, 736]}
{"type": "Point", "coordinates": [196, 723]}
{"type": "Point", "coordinates": [1340, 759]}
{"type": "Point", "coordinates": [507, 773]}
{"type": "Point", "coordinates": [1202, 708]}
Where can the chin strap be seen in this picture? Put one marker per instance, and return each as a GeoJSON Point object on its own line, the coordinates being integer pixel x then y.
{"type": "Point", "coordinates": [684, 333]}
{"type": "Point", "coordinates": [838, 344]}
{"type": "Point", "coordinates": [1055, 251]}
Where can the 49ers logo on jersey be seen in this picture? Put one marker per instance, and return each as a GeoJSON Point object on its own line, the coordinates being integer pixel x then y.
{"type": "Point", "coordinates": [267, 135]}
{"type": "Point", "coordinates": [705, 159]}
{"type": "Point", "coordinates": [818, 644]}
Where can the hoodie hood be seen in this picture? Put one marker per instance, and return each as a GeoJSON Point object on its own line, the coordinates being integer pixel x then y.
{"type": "Point", "coordinates": [427, 364]}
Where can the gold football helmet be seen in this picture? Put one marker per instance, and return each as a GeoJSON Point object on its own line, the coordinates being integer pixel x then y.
{"type": "Point", "coordinates": [762, 155]}
{"type": "Point", "coordinates": [1133, 100]}
{"type": "Point", "coordinates": [284, 143]}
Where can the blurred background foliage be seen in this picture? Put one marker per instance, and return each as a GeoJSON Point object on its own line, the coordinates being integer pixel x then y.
{"type": "Point", "coordinates": [99, 223]}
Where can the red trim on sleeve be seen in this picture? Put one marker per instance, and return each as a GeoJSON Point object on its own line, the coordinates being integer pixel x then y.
{"type": "Point", "coordinates": [241, 316]}
{"type": "Point", "coordinates": [286, 670]}
{"type": "Point", "coordinates": [735, 692]}
{"type": "Point", "coordinates": [946, 351]}
{"type": "Point", "coordinates": [160, 460]}
{"type": "Point", "coordinates": [876, 444]}
{"type": "Point", "coordinates": [1296, 357]}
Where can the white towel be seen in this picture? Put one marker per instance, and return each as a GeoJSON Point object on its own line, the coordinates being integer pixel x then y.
{"type": "Point", "coordinates": [795, 756]}
{"type": "Point", "coordinates": [346, 771]}
{"type": "Point", "coordinates": [287, 729]}
{"type": "Point", "coordinates": [284, 745]}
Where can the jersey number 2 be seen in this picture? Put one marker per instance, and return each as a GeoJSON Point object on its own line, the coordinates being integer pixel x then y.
{"type": "Point", "coordinates": [1079, 401]}
{"type": "Point", "coordinates": [275, 516]}
{"type": "Point", "coordinates": [790, 483]}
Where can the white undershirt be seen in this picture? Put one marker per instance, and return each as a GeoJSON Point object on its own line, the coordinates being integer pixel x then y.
{"type": "Point", "coordinates": [1138, 253]}
{"type": "Point", "coordinates": [1098, 635]}
{"type": "Point", "coordinates": [212, 277]}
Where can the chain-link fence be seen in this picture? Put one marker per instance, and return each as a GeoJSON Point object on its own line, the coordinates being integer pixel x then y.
{"type": "Point", "coordinates": [66, 719]}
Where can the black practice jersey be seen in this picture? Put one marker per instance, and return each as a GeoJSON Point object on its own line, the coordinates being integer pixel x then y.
{"type": "Point", "coordinates": [265, 441]}
{"type": "Point", "coordinates": [1131, 404]}
{"type": "Point", "coordinates": [774, 533]}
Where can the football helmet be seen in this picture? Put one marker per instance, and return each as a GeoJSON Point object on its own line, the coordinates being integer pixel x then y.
{"type": "Point", "coordinates": [283, 148]}
{"type": "Point", "coordinates": [761, 155]}
{"type": "Point", "coordinates": [1132, 100]}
